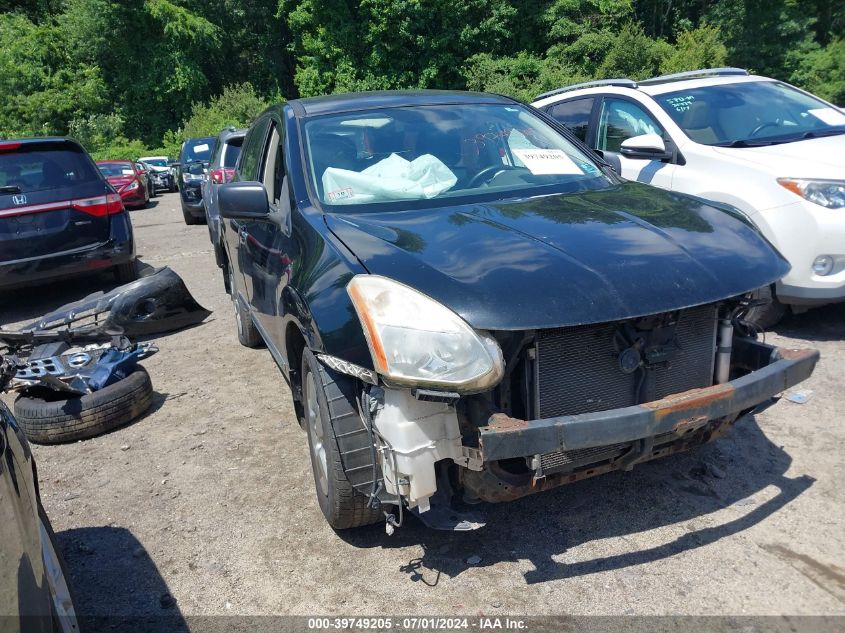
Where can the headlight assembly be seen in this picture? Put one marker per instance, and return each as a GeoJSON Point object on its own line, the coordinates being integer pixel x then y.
{"type": "Point", "coordinates": [826, 193]}
{"type": "Point", "coordinates": [416, 341]}
{"type": "Point", "coordinates": [132, 186]}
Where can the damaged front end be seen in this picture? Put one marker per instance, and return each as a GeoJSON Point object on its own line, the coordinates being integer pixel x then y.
{"type": "Point", "coordinates": [569, 403]}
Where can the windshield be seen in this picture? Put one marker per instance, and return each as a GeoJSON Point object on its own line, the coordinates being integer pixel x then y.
{"type": "Point", "coordinates": [197, 149]}
{"type": "Point", "coordinates": [750, 113]}
{"type": "Point", "coordinates": [116, 169]}
{"type": "Point", "coordinates": [441, 152]}
{"type": "Point", "coordinates": [156, 162]}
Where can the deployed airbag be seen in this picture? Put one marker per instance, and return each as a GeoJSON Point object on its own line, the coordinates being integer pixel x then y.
{"type": "Point", "coordinates": [393, 178]}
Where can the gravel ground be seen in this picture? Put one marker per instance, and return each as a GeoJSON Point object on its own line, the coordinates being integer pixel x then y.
{"type": "Point", "coordinates": [206, 504]}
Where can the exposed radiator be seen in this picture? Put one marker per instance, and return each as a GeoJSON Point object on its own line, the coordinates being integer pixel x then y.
{"type": "Point", "coordinates": [578, 368]}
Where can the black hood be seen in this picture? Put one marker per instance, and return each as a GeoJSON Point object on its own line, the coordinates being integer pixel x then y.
{"type": "Point", "coordinates": [559, 260]}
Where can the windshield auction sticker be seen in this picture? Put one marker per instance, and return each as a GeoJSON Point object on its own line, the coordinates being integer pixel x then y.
{"type": "Point", "coordinates": [340, 194]}
{"type": "Point", "coordinates": [547, 162]}
{"type": "Point", "coordinates": [828, 115]}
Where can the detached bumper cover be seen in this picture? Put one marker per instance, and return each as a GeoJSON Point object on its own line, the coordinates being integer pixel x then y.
{"type": "Point", "coordinates": [155, 304]}
{"type": "Point", "coordinates": [771, 371]}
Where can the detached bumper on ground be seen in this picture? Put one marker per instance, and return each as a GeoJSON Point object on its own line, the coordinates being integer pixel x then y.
{"type": "Point", "coordinates": [771, 371]}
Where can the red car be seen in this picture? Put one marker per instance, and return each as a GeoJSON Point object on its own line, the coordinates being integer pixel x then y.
{"type": "Point", "coordinates": [127, 180]}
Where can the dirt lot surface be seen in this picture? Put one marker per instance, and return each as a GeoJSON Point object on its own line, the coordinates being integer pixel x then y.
{"type": "Point", "coordinates": [209, 498]}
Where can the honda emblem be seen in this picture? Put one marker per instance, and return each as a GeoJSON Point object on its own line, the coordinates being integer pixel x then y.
{"type": "Point", "coordinates": [19, 200]}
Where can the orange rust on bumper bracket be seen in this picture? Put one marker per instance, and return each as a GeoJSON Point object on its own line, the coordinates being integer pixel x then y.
{"type": "Point", "coordinates": [773, 370]}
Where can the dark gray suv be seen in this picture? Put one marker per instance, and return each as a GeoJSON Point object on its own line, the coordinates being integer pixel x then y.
{"type": "Point", "coordinates": [221, 169]}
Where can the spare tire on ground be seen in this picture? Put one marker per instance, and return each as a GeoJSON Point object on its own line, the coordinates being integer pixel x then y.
{"type": "Point", "coordinates": [47, 417]}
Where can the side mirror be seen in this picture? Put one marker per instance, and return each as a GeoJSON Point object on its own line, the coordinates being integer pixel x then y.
{"type": "Point", "coordinates": [173, 164]}
{"type": "Point", "coordinates": [645, 146]}
{"type": "Point", "coordinates": [243, 201]}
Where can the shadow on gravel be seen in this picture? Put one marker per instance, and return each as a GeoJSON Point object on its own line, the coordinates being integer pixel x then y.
{"type": "Point", "coordinates": [117, 586]}
{"type": "Point", "coordinates": [826, 323]}
{"type": "Point", "coordinates": [546, 529]}
{"type": "Point", "coordinates": [152, 204]}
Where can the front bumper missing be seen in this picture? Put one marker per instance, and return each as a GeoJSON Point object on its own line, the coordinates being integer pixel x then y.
{"type": "Point", "coordinates": [769, 371]}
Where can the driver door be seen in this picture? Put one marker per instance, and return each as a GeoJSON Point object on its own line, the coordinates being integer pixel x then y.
{"type": "Point", "coordinates": [268, 243]}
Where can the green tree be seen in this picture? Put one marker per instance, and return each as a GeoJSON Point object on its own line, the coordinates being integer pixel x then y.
{"type": "Point", "coordinates": [698, 48]}
{"type": "Point", "coordinates": [236, 106]}
{"type": "Point", "coordinates": [821, 71]}
{"type": "Point", "coordinates": [153, 53]}
{"type": "Point", "coordinates": [43, 87]}
{"type": "Point", "coordinates": [523, 76]}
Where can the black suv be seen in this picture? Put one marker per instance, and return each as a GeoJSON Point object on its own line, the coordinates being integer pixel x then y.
{"type": "Point", "coordinates": [469, 305]}
{"type": "Point", "coordinates": [58, 215]}
{"type": "Point", "coordinates": [191, 170]}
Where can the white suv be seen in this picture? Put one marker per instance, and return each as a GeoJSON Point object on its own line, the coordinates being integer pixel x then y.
{"type": "Point", "coordinates": [775, 152]}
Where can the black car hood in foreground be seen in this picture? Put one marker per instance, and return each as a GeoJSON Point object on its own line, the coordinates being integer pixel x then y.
{"type": "Point", "coordinates": [558, 260]}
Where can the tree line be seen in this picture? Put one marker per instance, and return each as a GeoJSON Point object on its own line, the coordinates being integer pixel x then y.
{"type": "Point", "coordinates": [130, 76]}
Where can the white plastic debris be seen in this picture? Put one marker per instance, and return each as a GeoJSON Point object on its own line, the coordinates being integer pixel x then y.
{"type": "Point", "coordinates": [393, 178]}
{"type": "Point", "coordinates": [799, 396]}
{"type": "Point", "coordinates": [474, 559]}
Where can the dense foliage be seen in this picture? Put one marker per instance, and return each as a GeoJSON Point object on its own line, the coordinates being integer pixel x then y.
{"type": "Point", "coordinates": [127, 75]}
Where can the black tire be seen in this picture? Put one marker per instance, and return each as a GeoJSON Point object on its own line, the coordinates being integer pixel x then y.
{"type": "Point", "coordinates": [190, 220]}
{"type": "Point", "coordinates": [768, 315]}
{"type": "Point", "coordinates": [248, 334]}
{"type": "Point", "coordinates": [342, 506]}
{"type": "Point", "coordinates": [153, 192]}
{"type": "Point", "coordinates": [124, 273]}
{"type": "Point", "coordinates": [47, 419]}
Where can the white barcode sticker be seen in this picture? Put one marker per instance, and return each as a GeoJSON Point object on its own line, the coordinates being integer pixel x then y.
{"type": "Point", "coordinates": [546, 162]}
{"type": "Point", "coordinates": [340, 194]}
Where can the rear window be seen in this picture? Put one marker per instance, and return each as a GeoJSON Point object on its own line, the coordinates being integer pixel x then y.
{"type": "Point", "coordinates": [233, 150]}
{"type": "Point", "coordinates": [116, 169]}
{"type": "Point", "coordinates": [37, 168]}
{"type": "Point", "coordinates": [198, 149]}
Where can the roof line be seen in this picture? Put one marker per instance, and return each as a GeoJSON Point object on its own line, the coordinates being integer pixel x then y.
{"type": "Point", "coordinates": [694, 74]}
{"type": "Point", "coordinates": [620, 82]}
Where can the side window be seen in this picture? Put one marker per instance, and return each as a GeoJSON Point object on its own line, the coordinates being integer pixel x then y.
{"type": "Point", "coordinates": [621, 120]}
{"type": "Point", "coordinates": [251, 155]}
{"type": "Point", "coordinates": [574, 115]}
{"type": "Point", "coordinates": [274, 165]}
{"type": "Point", "coordinates": [215, 152]}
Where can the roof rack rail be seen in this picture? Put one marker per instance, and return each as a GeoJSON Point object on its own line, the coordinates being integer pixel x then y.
{"type": "Point", "coordinates": [618, 83]}
{"type": "Point", "coordinates": [693, 74]}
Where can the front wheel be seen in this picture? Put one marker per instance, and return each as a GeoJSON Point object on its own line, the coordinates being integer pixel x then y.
{"type": "Point", "coordinates": [327, 397]}
{"type": "Point", "coordinates": [768, 314]}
